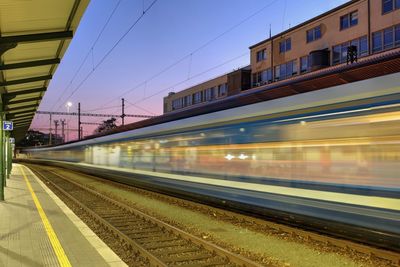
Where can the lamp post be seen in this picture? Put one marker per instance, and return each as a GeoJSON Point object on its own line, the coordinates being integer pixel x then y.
{"type": "Point", "coordinates": [68, 105]}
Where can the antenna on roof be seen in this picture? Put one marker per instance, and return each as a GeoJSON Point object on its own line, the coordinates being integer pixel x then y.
{"type": "Point", "coordinates": [270, 33]}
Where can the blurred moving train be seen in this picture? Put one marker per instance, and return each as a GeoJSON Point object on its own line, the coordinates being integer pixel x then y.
{"type": "Point", "coordinates": [328, 159]}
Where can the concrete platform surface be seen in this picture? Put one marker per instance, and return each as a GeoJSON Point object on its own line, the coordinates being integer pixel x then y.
{"type": "Point", "coordinates": [38, 229]}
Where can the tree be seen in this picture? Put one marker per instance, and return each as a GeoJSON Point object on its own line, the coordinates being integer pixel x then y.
{"type": "Point", "coordinates": [34, 138]}
{"type": "Point", "coordinates": [106, 126]}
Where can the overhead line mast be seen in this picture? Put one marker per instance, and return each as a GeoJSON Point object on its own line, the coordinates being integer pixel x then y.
{"type": "Point", "coordinates": [123, 112]}
{"type": "Point", "coordinates": [93, 114]}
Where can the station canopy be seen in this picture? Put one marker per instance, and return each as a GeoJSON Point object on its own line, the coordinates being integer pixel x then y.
{"type": "Point", "coordinates": [34, 36]}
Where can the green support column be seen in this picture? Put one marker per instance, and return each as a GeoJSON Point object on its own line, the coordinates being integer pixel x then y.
{"type": "Point", "coordinates": [4, 162]}
{"type": "Point", "coordinates": [10, 156]}
{"type": "Point", "coordinates": [2, 173]}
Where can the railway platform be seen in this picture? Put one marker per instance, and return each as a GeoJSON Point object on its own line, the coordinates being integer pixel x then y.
{"type": "Point", "coordinates": [38, 229]}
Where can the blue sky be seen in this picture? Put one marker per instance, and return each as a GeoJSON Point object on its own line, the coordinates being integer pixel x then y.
{"type": "Point", "coordinates": [170, 30]}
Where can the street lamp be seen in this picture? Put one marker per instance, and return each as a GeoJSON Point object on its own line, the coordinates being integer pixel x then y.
{"type": "Point", "coordinates": [68, 105]}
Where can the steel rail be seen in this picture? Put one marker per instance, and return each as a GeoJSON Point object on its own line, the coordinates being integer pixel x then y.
{"type": "Point", "coordinates": [390, 256]}
{"type": "Point", "coordinates": [153, 259]}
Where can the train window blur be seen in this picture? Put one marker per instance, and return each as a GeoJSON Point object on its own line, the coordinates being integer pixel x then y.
{"type": "Point", "coordinates": [345, 149]}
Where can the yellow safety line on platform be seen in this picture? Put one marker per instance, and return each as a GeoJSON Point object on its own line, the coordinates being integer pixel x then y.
{"type": "Point", "coordinates": [58, 249]}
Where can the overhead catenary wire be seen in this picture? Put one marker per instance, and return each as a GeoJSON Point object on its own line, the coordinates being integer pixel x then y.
{"type": "Point", "coordinates": [173, 86]}
{"type": "Point", "coordinates": [284, 15]}
{"type": "Point", "coordinates": [192, 77]}
{"type": "Point", "coordinates": [139, 107]}
{"type": "Point", "coordinates": [189, 55]}
{"type": "Point", "coordinates": [112, 49]}
{"type": "Point", "coordinates": [102, 108]}
{"type": "Point", "coordinates": [175, 63]}
{"type": "Point", "coordinates": [87, 55]}
{"type": "Point", "coordinates": [190, 65]}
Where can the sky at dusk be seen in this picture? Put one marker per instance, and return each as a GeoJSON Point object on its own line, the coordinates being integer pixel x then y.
{"type": "Point", "coordinates": [206, 37]}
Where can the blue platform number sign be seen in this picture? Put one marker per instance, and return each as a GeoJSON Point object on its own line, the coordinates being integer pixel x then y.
{"type": "Point", "coordinates": [7, 125]}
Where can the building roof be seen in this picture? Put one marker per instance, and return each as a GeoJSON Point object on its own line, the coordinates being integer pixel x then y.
{"type": "Point", "coordinates": [34, 38]}
{"type": "Point", "coordinates": [306, 22]}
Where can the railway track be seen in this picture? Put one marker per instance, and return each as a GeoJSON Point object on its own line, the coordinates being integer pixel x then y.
{"type": "Point", "coordinates": [159, 243]}
{"type": "Point", "coordinates": [335, 244]}
{"type": "Point", "coordinates": [390, 257]}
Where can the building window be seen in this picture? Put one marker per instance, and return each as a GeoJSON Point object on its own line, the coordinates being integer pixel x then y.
{"type": "Point", "coordinates": [349, 20]}
{"type": "Point", "coordinates": [257, 81]}
{"type": "Point", "coordinates": [339, 52]}
{"type": "Point", "coordinates": [387, 6]}
{"type": "Point", "coordinates": [177, 103]}
{"type": "Point", "coordinates": [285, 46]}
{"type": "Point", "coordinates": [262, 77]}
{"type": "Point", "coordinates": [266, 76]}
{"type": "Point", "coordinates": [386, 39]}
{"type": "Point", "coordinates": [363, 46]}
{"type": "Point", "coordinates": [390, 5]}
{"type": "Point", "coordinates": [314, 34]}
{"type": "Point", "coordinates": [286, 70]}
{"type": "Point", "coordinates": [261, 55]}
{"type": "Point", "coordinates": [343, 52]}
{"type": "Point", "coordinates": [210, 94]}
{"type": "Point", "coordinates": [222, 90]}
{"type": "Point", "coordinates": [197, 97]}
{"type": "Point", "coordinates": [280, 72]}
{"type": "Point", "coordinates": [353, 18]}
{"type": "Point", "coordinates": [187, 101]}
{"type": "Point", "coordinates": [376, 41]}
{"type": "Point", "coordinates": [336, 54]}
{"type": "Point", "coordinates": [304, 64]}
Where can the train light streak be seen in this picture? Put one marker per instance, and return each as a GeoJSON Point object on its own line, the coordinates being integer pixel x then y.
{"type": "Point", "coordinates": [243, 156]}
{"type": "Point", "coordinates": [229, 157]}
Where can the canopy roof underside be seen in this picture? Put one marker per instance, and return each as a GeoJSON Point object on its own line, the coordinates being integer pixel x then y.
{"type": "Point", "coordinates": [34, 36]}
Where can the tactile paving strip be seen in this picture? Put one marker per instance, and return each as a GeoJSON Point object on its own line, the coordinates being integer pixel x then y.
{"type": "Point", "coordinates": [46, 250]}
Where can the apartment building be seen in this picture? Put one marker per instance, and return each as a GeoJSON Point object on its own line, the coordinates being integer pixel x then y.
{"type": "Point", "coordinates": [220, 87]}
{"type": "Point", "coordinates": [365, 26]}
{"type": "Point", "coordinates": [356, 29]}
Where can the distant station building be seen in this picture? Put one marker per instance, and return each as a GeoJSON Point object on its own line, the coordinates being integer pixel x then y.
{"type": "Point", "coordinates": [220, 87]}
{"type": "Point", "coordinates": [353, 31]}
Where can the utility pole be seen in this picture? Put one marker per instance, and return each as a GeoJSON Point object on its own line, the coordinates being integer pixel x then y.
{"type": "Point", "coordinates": [62, 130]}
{"type": "Point", "coordinates": [68, 105]}
{"type": "Point", "coordinates": [79, 121]}
{"type": "Point", "coordinates": [67, 131]}
{"type": "Point", "coordinates": [123, 112]}
{"type": "Point", "coordinates": [55, 131]}
{"type": "Point", "coordinates": [50, 131]}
